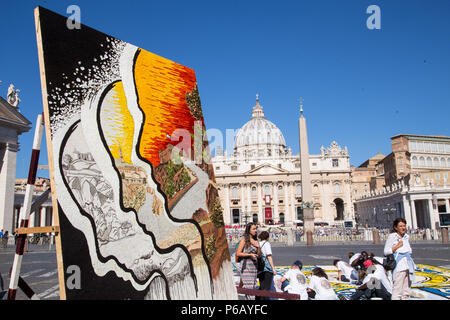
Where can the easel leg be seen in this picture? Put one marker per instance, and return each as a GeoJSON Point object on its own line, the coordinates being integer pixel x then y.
{"type": "Point", "coordinates": [25, 211]}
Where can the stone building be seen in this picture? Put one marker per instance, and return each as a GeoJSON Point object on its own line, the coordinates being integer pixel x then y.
{"type": "Point", "coordinates": [12, 124]}
{"type": "Point", "coordinates": [416, 185]}
{"type": "Point", "coordinates": [43, 215]}
{"type": "Point", "coordinates": [261, 180]}
{"type": "Point", "coordinates": [364, 177]}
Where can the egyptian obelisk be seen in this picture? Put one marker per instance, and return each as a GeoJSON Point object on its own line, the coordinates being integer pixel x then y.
{"type": "Point", "coordinates": [307, 203]}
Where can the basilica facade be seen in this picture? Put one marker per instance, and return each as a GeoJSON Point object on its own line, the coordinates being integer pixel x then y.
{"type": "Point", "coordinates": [261, 180]}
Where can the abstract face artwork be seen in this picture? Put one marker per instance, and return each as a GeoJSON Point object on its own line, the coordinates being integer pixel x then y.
{"type": "Point", "coordinates": [139, 217]}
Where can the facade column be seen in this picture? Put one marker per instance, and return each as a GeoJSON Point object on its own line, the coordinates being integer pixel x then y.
{"type": "Point", "coordinates": [287, 211]}
{"type": "Point", "coordinates": [227, 214]}
{"type": "Point", "coordinates": [292, 201]}
{"type": "Point", "coordinates": [259, 196]}
{"type": "Point", "coordinates": [276, 216]}
{"type": "Point", "coordinates": [243, 213]}
{"type": "Point", "coordinates": [413, 215]}
{"type": "Point", "coordinates": [349, 208]}
{"type": "Point", "coordinates": [447, 205]}
{"type": "Point", "coordinates": [249, 201]}
{"type": "Point", "coordinates": [7, 181]}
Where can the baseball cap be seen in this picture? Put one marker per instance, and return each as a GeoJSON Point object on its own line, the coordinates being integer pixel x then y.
{"type": "Point", "coordinates": [298, 263]}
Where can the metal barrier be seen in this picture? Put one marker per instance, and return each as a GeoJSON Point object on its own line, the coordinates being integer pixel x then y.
{"type": "Point", "coordinates": [364, 235]}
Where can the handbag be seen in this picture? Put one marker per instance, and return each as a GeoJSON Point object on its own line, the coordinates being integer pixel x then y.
{"type": "Point", "coordinates": [389, 262]}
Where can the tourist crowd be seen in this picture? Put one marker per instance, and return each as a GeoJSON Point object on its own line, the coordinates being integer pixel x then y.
{"type": "Point", "coordinates": [385, 277]}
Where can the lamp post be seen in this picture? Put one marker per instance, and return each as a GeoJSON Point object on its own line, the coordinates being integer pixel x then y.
{"type": "Point", "coordinates": [389, 211]}
{"type": "Point", "coordinates": [245, 216]}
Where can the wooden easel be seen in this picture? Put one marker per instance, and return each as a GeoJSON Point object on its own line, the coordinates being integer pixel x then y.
{"type": "Point", "coordinates": [46, 120]}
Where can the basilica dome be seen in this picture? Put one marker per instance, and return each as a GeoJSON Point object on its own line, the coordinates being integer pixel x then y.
{"type": "Point", "coordinates": [259, 137]}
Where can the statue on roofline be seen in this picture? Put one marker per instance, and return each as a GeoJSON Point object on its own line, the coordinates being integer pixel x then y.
{"type": "Point", "coordinates": [13, 96]}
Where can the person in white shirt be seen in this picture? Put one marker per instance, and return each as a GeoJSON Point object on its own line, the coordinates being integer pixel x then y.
{"type": "Point", "coordinates": [375, 284]}
{"type": "Point", "coordinates": [346, 272]}
{"type": "Point", "coordinates": [266, 276]}
{"type": "Point", "coordinates": [398, 244]}
{"type": "Point", "coordinates": [320, 285]}
{"type": "Point", "coordinates": [352, 257]}
{"type": "Point", "coordinates": [297, 280]}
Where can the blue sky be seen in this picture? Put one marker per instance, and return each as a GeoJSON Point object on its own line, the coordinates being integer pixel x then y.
{"type": "Point", "coordinates": [360, 87]}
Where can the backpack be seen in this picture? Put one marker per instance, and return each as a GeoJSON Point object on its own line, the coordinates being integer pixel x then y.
{"type": "Point", "coordinates": [263, 263]}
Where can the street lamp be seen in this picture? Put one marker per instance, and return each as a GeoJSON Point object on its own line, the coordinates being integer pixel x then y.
{"type": "Point", "coordinates": [245, 216]}
{"type": "Point", "coordinates": [389, 210]}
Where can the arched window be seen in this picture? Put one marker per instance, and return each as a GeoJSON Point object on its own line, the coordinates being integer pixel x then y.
{"type": "Point", "coordinates": [414, 161]}
{"type": "Point", "coordinates": [429, 162]}
{"type": "Point", "coordinates": [443, 164]}
{"type": "Point", "coordinates": [337, 188]}
{"type": "Point", "coordinates": [234, 192]}
{"type": "Point", "coordinates": [253, 192]}
{"type": "Point", "coordinates": [299, 189]}
{"type": "Point", "coordinates": [255, 218]}
{"type": "Point", "coordinates": [436, 162]}
{"type": "Point", "coordinates": [280, 190]}
{"type": "Point", "coordinates": [316, 188]}
{"type": "Point", "coordinates": [448, 162]}
{"type": "Point", "coordinates": [267, 190]}
{"type": "Point", "coordinates": [422, 161]}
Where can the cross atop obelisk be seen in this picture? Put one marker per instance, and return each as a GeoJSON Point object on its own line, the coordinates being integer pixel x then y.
{"type": "Point", "coordinates": [300, 101]}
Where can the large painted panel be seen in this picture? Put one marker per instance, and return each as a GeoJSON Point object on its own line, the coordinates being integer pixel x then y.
{"type": "Point", "coordinates": [139, 218]}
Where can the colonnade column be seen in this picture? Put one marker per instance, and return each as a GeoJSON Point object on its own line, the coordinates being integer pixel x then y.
{"type": "Point", "coordinates": [407, 212]}
{"type": "Point", "coordinates": [413, 215]}
{"type": "Point", "coordinates": [432, 213]}
{"type": "Point", "coordinates": [43, 216]}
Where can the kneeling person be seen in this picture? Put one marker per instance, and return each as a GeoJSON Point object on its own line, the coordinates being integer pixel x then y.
{"type": "Point", "coordinates": [297, 280]}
